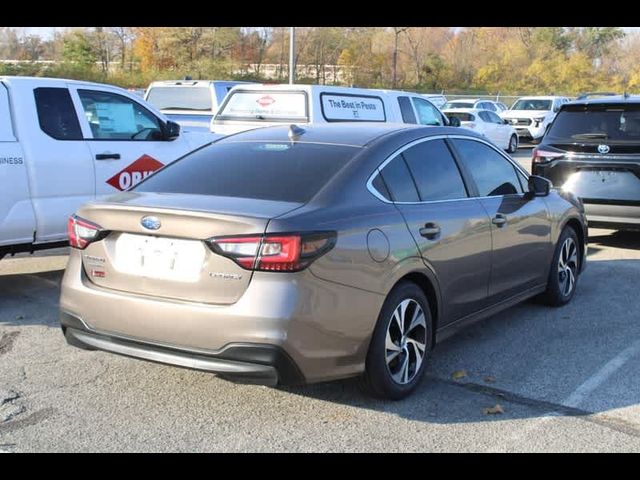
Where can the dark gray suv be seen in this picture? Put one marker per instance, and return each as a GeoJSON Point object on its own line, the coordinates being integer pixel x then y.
{"type": "Point", "coordinates": [298, 255]}
{"type": "Point", "coordinates": [593, 150]}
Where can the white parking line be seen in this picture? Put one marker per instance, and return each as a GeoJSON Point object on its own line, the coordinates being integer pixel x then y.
{"type": "Point", "coordinates": [579, 394]}
{"type": "Point", "coordinates": [597, 379]}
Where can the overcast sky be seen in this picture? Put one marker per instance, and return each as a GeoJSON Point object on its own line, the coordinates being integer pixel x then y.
{"type": "Point", "coordinates": [47, 32]}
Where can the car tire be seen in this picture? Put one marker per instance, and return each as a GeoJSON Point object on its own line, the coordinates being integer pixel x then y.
{"type": "Point", "coordinates": [393, 370]}
{"type": "Point", "coordinates": [513, 144]}
{"type": "Point", "coordinates": [565, 268]}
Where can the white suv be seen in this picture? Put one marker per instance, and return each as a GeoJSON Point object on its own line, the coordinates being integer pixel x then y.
{"type": "Point", "coordinates": [531, 116]}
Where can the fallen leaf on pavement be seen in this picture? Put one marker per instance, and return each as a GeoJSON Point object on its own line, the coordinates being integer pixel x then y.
{"type": "Point", "coordinates": [489, 379]}
{"type": "Point", "coordinates": [493, 410]}
{"type": "Point", "coordinates": [458, 374]}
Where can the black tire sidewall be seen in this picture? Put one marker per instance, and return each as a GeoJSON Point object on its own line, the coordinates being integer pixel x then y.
{"type": "Point", "coordinates": [377, 376]}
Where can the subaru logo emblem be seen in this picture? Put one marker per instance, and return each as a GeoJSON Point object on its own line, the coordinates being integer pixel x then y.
{"type": "Point", "coordinates": [150, 223]}
{"type": "Point", "coordinates": [603, 149]}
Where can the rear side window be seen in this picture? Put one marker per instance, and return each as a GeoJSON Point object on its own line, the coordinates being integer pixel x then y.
{"type": "Point", "coordinates": [462, 116]}
{"type": "Point", "coordinates": [435, 171]}
{"type": "Point", "coordinates": [267, 105]}
{"type": "Point", "coordinates": [597, 123]}
{"type": "Point", "coordinates": [197, 99]}
{"type": "Point", "coordinates": [406, 110]}
{"type": "Point", "coordinates": [289, 172]}
{"type": "Point", "coordinates": [492, 173]}
{"type": "Point", "coordinates": [56, 114]}
{"type": "Point", "coordinates": [398, 180]}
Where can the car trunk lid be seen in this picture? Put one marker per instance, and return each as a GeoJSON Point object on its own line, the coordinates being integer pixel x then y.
{"type": "Point", "coordinates": [169, 257]}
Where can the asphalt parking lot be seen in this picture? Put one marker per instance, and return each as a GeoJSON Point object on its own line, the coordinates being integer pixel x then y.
{"type": "Point", "coordinates": [563, 379]}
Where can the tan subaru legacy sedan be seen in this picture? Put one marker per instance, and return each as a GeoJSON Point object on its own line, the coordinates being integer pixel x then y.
{"type": "Point", "coordinates": [291, 255]}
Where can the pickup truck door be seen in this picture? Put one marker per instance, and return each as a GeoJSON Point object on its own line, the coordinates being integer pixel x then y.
{"type": "Point", "coordinates": [58, 161]}
{"type": "Point", "coordinates": [124, 136]}
{"type": "Point", "coordinates": [17, 220]}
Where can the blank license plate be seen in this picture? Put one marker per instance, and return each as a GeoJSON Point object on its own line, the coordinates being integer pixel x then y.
{"type": "Point", "coordinates": [159, 257]}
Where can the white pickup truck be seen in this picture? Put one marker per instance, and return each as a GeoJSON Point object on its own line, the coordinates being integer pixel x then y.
{"type": "Point", "coordinates": [64, 142]}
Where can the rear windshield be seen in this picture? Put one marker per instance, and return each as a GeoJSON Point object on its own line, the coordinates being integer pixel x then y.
{"type": "Point", "coordinates": [289, 172]}
{"type": "Point", "coordinates": [180, 98]}
{"type": "Point", "coordinates": [458, 105]}
{"type": "Point", "coordinates": [462, 116]}
{"type": "Point", "coordinates": [532, 104]}
{"type": "Point", "coordinates": [597, 123]}
{"type": "Point", "coordinates": [265, 105]}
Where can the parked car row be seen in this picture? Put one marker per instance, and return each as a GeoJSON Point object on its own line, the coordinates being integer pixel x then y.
{"type": "Point", "coordinates": [314, 232]}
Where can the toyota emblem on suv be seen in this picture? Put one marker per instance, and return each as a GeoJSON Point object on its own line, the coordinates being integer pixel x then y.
{"type": "Point", "coordinates": [603, 149]}
{"type": "Point", "coordinates": [150, 223]}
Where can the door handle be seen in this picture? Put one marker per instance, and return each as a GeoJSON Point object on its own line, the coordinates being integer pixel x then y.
{"type": "Point", "coordinates": [430, 231]}
{"type": "Point", "coordinates": [107, 156]}
{"type": "Point", "coordinates": [500, 220]}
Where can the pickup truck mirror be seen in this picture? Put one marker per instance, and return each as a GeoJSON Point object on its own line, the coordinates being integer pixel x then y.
{"type": "Point", "coordinates": [505, 121]}
{"type": "Point", "coordinates": [171, 130]}
{"type": "Point", "coordinates": [454, 122]}
{"type": "Point", "coordinates": [539, 186]}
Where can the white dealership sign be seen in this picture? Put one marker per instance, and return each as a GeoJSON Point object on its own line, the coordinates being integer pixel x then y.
{"type": "Point", "coordinates": [352, 108]}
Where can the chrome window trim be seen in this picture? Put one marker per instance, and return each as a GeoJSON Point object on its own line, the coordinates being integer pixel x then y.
{"type": "Point", "coordinates": [391, 157]}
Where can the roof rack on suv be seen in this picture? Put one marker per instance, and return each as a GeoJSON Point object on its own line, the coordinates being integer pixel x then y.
{"type": "Point", "coordinates": [587, 95]}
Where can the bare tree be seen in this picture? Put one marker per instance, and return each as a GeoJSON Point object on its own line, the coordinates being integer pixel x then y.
{"type": "Point", "coordinates": [396, 35]}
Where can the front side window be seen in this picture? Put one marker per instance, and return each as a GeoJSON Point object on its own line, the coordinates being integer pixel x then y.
{"type": "Point", "coordinates": [427, 113]}
{"type": "Point", "coordinates": [114, 117]}
{"type": "Point", "coordinates": [435, 171]}
{"type": "Point", "coordinates": [56, 114]}
{"type": "Point", "coordinates": [493, 118]}
{"type": "Point", "coordinates": [492, 173]}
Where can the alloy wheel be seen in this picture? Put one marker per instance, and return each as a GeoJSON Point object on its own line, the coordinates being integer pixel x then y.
{"type": "Point", "coordinates": [567, 267]}
{"type": "Point", "coordinates": [406, 340]}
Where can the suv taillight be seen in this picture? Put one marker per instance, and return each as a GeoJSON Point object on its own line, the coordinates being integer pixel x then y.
{"type": "Point", "coordinates": [544, 156]}
{"type": "Point", "coordinates": [83, 232]}
{"type": "Point", "coordinates": [274, 252]}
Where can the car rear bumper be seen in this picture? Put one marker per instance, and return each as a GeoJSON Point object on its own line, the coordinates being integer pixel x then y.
{"type": "Point", "coordinates": [257, 364]}
{"type": "Point", "coordinates": [323, 327]}
{"type": "Point", "coordinates": [614, 215]}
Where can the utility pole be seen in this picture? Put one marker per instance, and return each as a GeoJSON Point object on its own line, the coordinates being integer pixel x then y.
{"type": "Point", "coordinates": [292, 53]}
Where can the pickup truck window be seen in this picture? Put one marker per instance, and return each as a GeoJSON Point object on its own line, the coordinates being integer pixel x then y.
{"type": "Point", "coordinates": [197, 99]}
{"type": "Point", "coordinates": [6, 129]}
{"type": "Point", "coordinates": [427, 113]}
{"type": "Point", "coordinates": [56, 114]}
{"type": "Point", "coordinates": [407, 111]}
{"type": "Point", "coordinates": [115, 117]}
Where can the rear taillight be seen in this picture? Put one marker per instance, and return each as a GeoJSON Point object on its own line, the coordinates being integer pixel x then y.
{"type": "Point", "coordinates": [276, 252]}
{"type": "Point", "coordinates": [544, 156]}
{"type": "Point", "coordinates": [83, 232]}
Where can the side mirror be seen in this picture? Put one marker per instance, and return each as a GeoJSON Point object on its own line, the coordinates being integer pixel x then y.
{"type": "Point", "coordinates": [171, 130]}
{"type": "Point", "coordinates": [454, 122]}
{"type": "Point", "coordinates": [539, 186]}
{"type": "Point", "coordinates": [505, 121]}
{"type": "Point", "coordinates": [556, 109]}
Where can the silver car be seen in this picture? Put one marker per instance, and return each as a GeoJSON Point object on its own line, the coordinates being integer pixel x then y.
{"type": "Point", "coordinates": [290, 255]}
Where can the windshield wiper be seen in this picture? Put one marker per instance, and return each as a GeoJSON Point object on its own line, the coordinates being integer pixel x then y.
{"type": "Point", "coordinates": [187, 108]}
{"type": "Point", "coordinates": [590, 135]}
